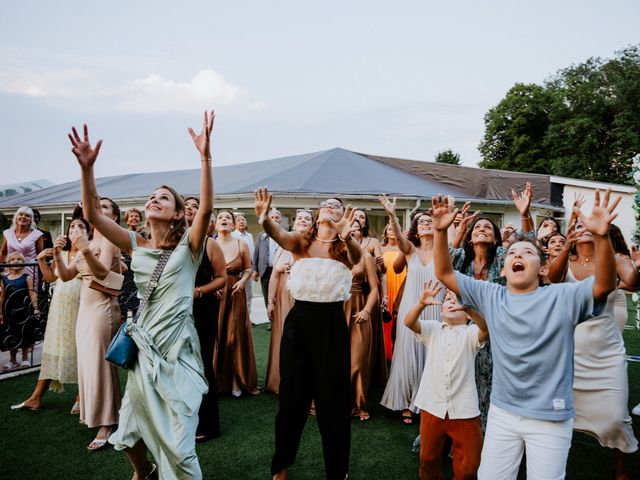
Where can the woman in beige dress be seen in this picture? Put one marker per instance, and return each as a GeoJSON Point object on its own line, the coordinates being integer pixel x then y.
{"type": "Point", "coordinates": [358, 311]}
{"type": "Point", "coordinates": [280, 301]}
{"type": "Point", "coordinates": [98, 320]}
{"type": "Point", "coordinates": [600, 382]}
{"type": "Point", "coordinates": [236, 361]}
{"type": "Point", "coordinates": [59, 356]}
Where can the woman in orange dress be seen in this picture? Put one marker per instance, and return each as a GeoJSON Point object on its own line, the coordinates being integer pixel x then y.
{"type": "Point", "coordinates": [393, 281]}
{"type": "Point", "coordinates": [236, 361]}
{"type": "Point", "coordinates": [358, 310]}
{"type": "Point", "coordinates": [280, 301]}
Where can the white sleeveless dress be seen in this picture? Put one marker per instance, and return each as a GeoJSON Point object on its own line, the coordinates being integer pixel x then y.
{"type": "Point", "coordinates": [408, 359]}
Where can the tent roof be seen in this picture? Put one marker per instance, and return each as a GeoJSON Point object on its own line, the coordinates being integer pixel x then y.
{"type": "Point", "coordinates": [330, 171]}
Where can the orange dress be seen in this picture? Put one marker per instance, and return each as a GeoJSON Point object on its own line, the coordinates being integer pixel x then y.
{"type": "Point", "coordinates": [235, 354]}
{"type": "Point", "coordinates": [394, 281]}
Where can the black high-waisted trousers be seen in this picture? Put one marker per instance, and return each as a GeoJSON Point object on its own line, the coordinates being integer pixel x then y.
{"type": "Point", "coordinates": [315, 364]}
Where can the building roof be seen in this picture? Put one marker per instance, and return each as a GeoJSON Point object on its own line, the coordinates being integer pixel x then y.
{"type": "Point", "coordinates": [327, 172]}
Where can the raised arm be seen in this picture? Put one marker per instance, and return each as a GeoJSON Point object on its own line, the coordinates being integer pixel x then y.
{"type": "Point", "coordinates": [605, 263]}
{"type": "Point", "coordinates": [558, 267]}
{"type": "Point", "coordinates": [47, 273]}
{"type": "Point", "coordinates": [87, 157]}
{"type": "Point", "coordinates": [443, 216]}
{"type": "Point", "coordinates": [291, 241]}
{"type": "Point", "coordinates": [200, 223]}
{"type": "Point", "coordinates": [523, 203]}
{"type": "Point", "coordinates": [389, 206]}
{"type": "Point", "coordinates": [343, 227]}
{"type": "Point", "coordinates": [65, 272]}
{"type": "Point", "coordinates": [427, 297]}
{"type": "Point", "coordinates": [465, 221]}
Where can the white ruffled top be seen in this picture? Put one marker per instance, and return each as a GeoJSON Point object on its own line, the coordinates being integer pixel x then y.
{"type": "Point", "coordinates": [320, 280]}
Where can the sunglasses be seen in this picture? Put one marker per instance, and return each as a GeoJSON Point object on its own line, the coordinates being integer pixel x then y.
{"type": "Point", "coordinates": [331, 204]}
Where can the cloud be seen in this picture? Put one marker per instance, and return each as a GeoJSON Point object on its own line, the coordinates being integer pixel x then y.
{"type": "Point", "coordinates": [78, 89]}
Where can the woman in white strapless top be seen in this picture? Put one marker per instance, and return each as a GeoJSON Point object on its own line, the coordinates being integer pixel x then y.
{"type": "Point", "coordinates": [314, 351]}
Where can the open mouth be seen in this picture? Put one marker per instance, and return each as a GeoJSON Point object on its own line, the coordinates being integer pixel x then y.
{"type": "Point", "coordinates": [517, 267]}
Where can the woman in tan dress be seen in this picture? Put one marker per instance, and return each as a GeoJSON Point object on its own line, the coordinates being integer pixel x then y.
{"type": "Point", "coordinates": [236, 361]}
{"type": "Point", "coordinates": [98, 320]}
{"type": "Point", "coordinates": [280, 301]}
{"type": "Point", "coordinates": [358, 310]}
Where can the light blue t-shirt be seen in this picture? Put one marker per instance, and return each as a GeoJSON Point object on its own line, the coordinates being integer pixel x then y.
{"type": "Point", "coordinates": [532, 343]}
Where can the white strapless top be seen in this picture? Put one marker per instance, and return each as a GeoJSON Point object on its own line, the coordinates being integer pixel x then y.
{"type": "Point", "coordinates": [320, 280]}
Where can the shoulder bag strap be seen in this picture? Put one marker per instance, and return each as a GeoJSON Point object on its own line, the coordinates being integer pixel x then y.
{"type": "Point", "coordinates": [153, 281]}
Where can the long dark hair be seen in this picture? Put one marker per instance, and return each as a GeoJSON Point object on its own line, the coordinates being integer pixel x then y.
{"type": "Point", "coordinates": [412, 235]}
{"type": "Point", "coordinates": [114, 208]}
{"type": "Point", "coordinates": [470, 254]}
{"type": "Point", "coordinates": [365, 227]}
{"type": "Point", "coordinates": [337, 249]}
{"type": "Point", "coordinates": [618, 241]}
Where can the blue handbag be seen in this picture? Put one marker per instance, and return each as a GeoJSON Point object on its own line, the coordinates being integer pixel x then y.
{"type": "Point", "coordinates": [122, 350]}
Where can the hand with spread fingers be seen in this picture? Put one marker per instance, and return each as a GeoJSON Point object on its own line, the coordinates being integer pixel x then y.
{"type": "Point", "coordinates": [343, 226]}
{"type": "Point", "coordinates": [202, 141]}
{"type": "Point", "coordinates": [262, 203]}
{"type": "Point", "coordinates": [388, 205]}
{"type": "Point", "coordinates": [523, 200]}
{"type": "Point", "coordinates": [82, 149]}
{"type": "Point", "coordinates": [429, 293]}
{"type": "Point", "coordinates": [442, 212]}
{"type": "Point", "coordinates": [601, 215]}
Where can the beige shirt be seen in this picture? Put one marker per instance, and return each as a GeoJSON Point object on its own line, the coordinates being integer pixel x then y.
{"type": "Point", "coordinates": [448, 384]}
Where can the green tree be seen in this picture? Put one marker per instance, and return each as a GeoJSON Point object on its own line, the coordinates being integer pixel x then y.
{"type": "Point", "coordinates": [583, 122]}
{"type": "Point", "coordinates": [515, 130]}
{"type": "Point", "coordinates": [448, 156]}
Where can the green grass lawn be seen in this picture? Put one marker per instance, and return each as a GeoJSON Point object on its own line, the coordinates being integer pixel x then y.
{"type": "Point", "coordinates": [50, 444]}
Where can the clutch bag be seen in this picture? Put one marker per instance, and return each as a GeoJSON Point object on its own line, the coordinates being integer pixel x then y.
{"type": "Point", "coordinates": [111, 284]}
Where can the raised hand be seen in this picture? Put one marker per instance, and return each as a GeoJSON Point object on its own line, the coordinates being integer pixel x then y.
{"type": "Point", "coordinates": [202, 140]}
{"type": "Point", "coordinates": [601, 215]}
{"type": "Point", "coordinates": [430, 293]}
{"type": "Point", "coordinates": [262, 203]}
{"type": "Point", "coordinates": [578, 200]}
{"type": "Point", "coordinates": [79, 240]}
{"type": "Point", "coordinates": [523, 201]}
{"type": "Point", "coordinates": [388, 205]}
{"type": "Point", "coordinates": [59, 243]}
{"type": "Point", "coordinates": [82, 149]}
{"type": "Point", "coordinates": [464, 218]}
{"type": "Point", "coordinates": [343, 227]}
{"type": "Point", "coordinates": [442, 212]}
{"type": "Point", "coordinates": [47, 252]}
{"type": "Point", "coordinates": [544, 232]}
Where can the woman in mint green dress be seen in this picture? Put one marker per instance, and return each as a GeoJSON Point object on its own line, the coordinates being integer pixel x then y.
{"type": "Point", "coordinates": [164, 389]}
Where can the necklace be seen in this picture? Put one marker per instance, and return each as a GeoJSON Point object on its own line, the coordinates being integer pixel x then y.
{"type": "Point", "coordinates": [587, 261]}
{"type": "Point", "coordinates": [326, 241]}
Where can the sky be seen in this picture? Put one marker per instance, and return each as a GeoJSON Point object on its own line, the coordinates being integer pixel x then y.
{"type": "Point", "coordinates": [404, 79]}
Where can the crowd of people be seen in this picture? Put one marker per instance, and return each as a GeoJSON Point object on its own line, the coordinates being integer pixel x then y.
{"type": "Point", "coordinates": [500, 340]}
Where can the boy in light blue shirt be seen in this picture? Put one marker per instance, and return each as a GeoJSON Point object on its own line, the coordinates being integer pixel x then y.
{"type": "Point", "coordinates": [531, 329]}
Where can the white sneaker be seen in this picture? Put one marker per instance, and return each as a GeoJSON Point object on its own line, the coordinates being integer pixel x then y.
{"type": "Point", "coordinates": [10, 365]}
{"type": "Point", "coordinates": [236, 393]}
{"type": "Point", "coordinates": [25, 363]}
{"type": "Point", "coordinates": [636, 410]}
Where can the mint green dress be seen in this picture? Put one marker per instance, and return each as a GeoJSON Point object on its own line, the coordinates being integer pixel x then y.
{"type": "Point", "coordinates": [165, 387]}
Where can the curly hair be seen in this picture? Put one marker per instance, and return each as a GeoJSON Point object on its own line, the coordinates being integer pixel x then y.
{"type": "Point", "coordinates": [469, 252]}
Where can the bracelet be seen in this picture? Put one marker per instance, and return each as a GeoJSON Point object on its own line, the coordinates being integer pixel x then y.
{"type": "Point", "coordinates": [199, 292]}
{"type": "Point", "coordinates": [342, 239]}
{"type": "Point", "coordinates": [528, 217]}
{"type": "Point", "coordinates": [394, 221]}
{"type": "Point", "coordinates": [270, 302]}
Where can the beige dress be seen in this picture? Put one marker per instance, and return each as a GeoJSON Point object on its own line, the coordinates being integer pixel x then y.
{"type": "Point", "coordinates": [98, 320]}
{"type": "Point", "coordinates": [283, 303]}
{"type": "Point", "coordinates": [600, 382]}
{"type": "Point", "coordinates": [59, 355]}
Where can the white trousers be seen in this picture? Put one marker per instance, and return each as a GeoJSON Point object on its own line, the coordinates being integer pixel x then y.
{"type": "Point", "coordinates": [547, 445]}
